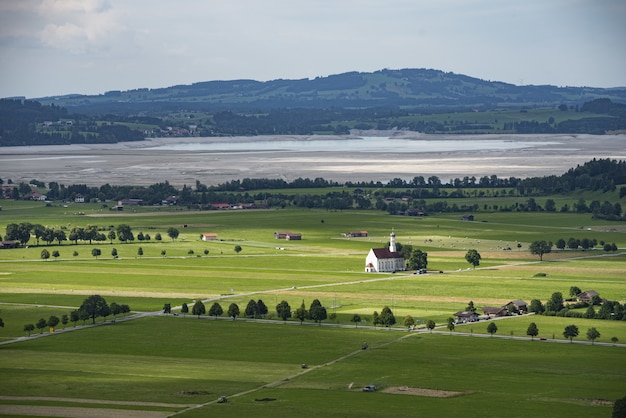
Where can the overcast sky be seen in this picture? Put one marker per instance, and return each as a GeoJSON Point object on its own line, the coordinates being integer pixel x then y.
{"type": "Point", "coordinates": [54, 47]}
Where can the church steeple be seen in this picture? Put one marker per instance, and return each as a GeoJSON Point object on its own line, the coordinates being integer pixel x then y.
{"type": "Point", "coordinates": [392, 242]}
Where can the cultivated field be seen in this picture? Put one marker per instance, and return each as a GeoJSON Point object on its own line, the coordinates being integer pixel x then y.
{"type": "Point", "coordinates": [149, 364]}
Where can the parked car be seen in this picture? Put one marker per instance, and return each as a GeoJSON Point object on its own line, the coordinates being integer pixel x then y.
{"type": "Point", "coordinates": [369, 388]}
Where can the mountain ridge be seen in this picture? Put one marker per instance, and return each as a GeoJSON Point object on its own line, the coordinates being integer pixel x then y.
{"type": "Point", "coordinates": [407, 88]}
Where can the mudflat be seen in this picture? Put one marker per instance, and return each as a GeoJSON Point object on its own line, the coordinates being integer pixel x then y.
{"type": "Point", "coordinates": [184, 160]}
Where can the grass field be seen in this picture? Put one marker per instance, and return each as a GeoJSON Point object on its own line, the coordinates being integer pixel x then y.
{"type": "Point", "coordinates": [157, 365]}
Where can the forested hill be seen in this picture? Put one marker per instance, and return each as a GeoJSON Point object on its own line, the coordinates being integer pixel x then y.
{"type": "Point", "coordinates": [406, 88]}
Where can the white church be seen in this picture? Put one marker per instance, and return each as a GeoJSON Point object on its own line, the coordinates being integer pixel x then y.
{"type": "Point", "coordinates": [380, 260]}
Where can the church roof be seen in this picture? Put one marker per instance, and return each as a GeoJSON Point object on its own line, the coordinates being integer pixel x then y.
{"type": "Point", "coordinates": [382, 253]}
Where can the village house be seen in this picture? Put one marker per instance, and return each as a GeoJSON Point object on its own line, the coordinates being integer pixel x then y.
{"type": "Point", "coordinates": [38, 196]}
{"type": "Point", "coordinates": [130, 202]}
{"type": "Point", "coordinates": [380, 260]}
{"type": "Point", "coordinates": [356, 234]}
{"type": "Point", "coordinates": [490, 311]}
{"type": "Point", "coordinates": [286, 235]}
{"type": "Point", "coordinates": [467, 217]}
{"type": "Point", "coordinates": [209, 237]}
{"type": "Point", "coordinates": [79, 198]}
{"type": "Point", "coordinates": [587, 296]}
{"type": "Point", "coordinates": [466, 317]}
{"type": "Point", "coordinates": [518, 306]}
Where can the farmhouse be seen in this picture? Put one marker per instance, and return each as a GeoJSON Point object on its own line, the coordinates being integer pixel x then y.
{"type": "Point", "coordinates": [465, 317]}
{"type": "Point", "coordinates": [9, 244]}
{"type": "Point", "coordinates": [79, 198]}
{"type": "Point", "coordinates": [286, 235]}
{"type": "Point", "coordinates": [209, 237]}
{"type": "Point", "coordinates": [381, 260]}
{"type": "Point", "coordinates": [467, 217]}
{"type": "Point", "coordinates": [494, 311]}
{"type": "Point", "coordinates": [356, 234]}
{"type": "Point", "coordinates": [518, 306]}
{"type": "Point", "coordinates": [587, 296]}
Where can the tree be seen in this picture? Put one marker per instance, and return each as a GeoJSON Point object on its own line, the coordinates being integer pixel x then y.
{"type": "Point", "coordinates": [430, 324]}
{"type": "Point", "coordinates": [252, 310]}
{"type": "Point", "coordinates": [571, 332]}
{"type": "Point", "coordinates": [450, 324]}
{"type": "Point", "coordinates": [56, 254]}
{"type": "Point", "coordinates": [470, 307]}
{"type": "Point", "coordinates": [560, 244]}
{"type": "Point", "coordinates": [233, 311]}
{"type": "Point", "coordinates": [125, 233]}
{"type": "Point", "coordinates": [53, 321]}
{"type": "Point", "coordinates": [590, 313]}
{"type": "Point", "coordinates": [158, 236]}
{"type": "Point", "coordinates": [238, 249]}
{"type": "Point", "coordinates": [64, 320]}
{"type": "Point", "coordinates": [619, 408]}
{"type": "Point", "coordinates": [74, 316]}
{"type": "Point", "coordinates": [540, 248]}
{"type": "Point", "coordinates": [418, 260]}
{"type": "Point", "coordinates": [111, 236]}
{"type": "Point", "coordinates": [473, 257]}
{"type": "Point", "coordinates": [386, 317]}
{"type": "Point", "coordinates": [492, 328]}
{"type": "Point", "coordinates": [317, 312]}
{"type": "Point", "coordinates": [83, 315]}
{"type": "Point", "coordinates": [409, 321]}
{"type": "Point", "coordinates": [356, 318]}
{"type": "Point", "coordinates": [555, 304]}
{"type": "Point", "coordinates": [28, 328]}
{"type": "Point", "coordinates": [115, 310]}
{"type": "Point", "coordinates": [532, 330]}
{"type": "Point", "coordinates": [614, 340]}
{"type": "Point", "coordinates": [198, 308]}
{"type": "Point", "coordinates": [593, 334]}
{"type": "Point", "coordinates": [45, 254]}
{"type": "Point", "coordinates": [96, 252]}
{"type": "Point", "coordinates": [167, 308]}
{"type": "Point", "coordinates": [139, 251]}
{"type": "Point", "coordinates": [261, 308]}
{"type": "Point", "coordinates": [41, 324]}
{"type": "Point", "coordinates": [206, 252]}
{"type": "Point", "coordinates": [163, 253]}
{"type": "Point", "coordinates": [95, 306]}
{"type": "Point", "coordinates": [375, 318]}
{"type": "Point", "coordinates": [216, 310]}
{"type": "Point", "coordinates": [184, 309]}
{"type": "Point", "coordinates": [574, 291]}
{"type": "Point", "coordinates": [114, 253]}
{"type": "Point", "coordinates": [172, 233]}
{"type": "Point", "coordinates": [283, 310]}
{"type": "Point", "coordinates": [75, 253]}
{"type": "Point", "coordinates": [301, 313]}
{"type": "Point", "coordinates": [536, 306]}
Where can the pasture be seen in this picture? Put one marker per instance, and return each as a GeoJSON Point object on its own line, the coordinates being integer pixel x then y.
{"type": "Point", "coordinates": [161, 364]}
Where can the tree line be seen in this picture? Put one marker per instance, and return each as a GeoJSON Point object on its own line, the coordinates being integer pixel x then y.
{"type": "Point", "coordinates": [93, 307]}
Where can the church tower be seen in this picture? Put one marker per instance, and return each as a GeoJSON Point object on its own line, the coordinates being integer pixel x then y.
{"type": "Point", "coordinates": [392, 242]}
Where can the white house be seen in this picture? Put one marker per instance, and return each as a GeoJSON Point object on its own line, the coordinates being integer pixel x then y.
{"type": "Point", "coordinates": [381, 260]}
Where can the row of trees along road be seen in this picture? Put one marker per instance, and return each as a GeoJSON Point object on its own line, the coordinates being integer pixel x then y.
{"type": "Point", "coordinates": [92, 307]}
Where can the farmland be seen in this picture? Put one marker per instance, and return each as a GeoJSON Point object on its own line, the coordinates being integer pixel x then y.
{"type": "Point", "coordinates": [150, 364]}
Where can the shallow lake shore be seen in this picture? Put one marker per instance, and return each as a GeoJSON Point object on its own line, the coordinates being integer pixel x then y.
{"type": "Point", "coordinates": [154, 160]}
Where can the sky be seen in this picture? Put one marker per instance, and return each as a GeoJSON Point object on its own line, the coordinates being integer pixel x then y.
{"type": "Point", "coordinates": [57, 47]}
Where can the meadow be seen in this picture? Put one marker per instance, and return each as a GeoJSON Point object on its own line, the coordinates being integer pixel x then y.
{"type": "Point", "coordinates": [159, 364]}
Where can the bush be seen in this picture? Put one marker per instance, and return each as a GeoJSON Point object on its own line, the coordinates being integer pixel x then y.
{"type": "Point", "coordinates": [541, 275]}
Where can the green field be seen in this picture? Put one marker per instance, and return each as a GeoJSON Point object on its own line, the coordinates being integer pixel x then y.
{"type": "Point", "coordinates": [160, 364]}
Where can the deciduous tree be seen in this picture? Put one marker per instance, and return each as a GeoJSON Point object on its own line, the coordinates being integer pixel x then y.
{"type": "Point", "coordinates": [283, 310]}
{"type": "Point", "coordinates": [593, 334]}
{"type": "Point", "coordinates": [473, 257]}
{"type": "Point", "coordinates": [53, 321]}
{"type": "Point", "coordinates": [184, 309]}
{"type": "Point", "coordinates": [233, 311]}
{"type": "Point", "coordinates": [571, 332]}
{"type": "Point", "coordinates": [540, 248]}
{"type": "Point", "coordinates": [356, 319]}
{"type": "Point", "coordinates": [386, 317]}
{"type": "Point", "coordinates": [95, 306]}
{"type": "Point", "coordinates": [532, 330]}
{"type": "Point", "coordinates": [430, 324]}
{"type": "Point", "coordinates": [198, 308]}
{"type": "Point", "coordinates": [492, 328]}
{"type": "Point", "coordinates": [216, 310]}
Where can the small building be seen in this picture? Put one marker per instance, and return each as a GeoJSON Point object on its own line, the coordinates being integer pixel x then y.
{"type": "Point", "coordinates": [9, 244]}
{"type": "Point", "coordinates": [221, 205]}
{"type": "Point", "coordinates": [79, 198]}
{"type": "Point", "coordinates": [286, 235]}
{"type": "Point", "coordinates": [465, 317]}
{"type": "Point", "coordinates": [587, 296]}
{"type": "Point", "coordinates": [467, 217]}
{"type": "Point", "coordinates": [130, 202]}
{"type": "Point", "coordinates": [495, 311]}
{"type": "Point", "coordinates": [518, 305]}
{"type": "Point", "coordinates": [356, 234]}
{"type": "Point", "coordinates": [380, 260]}
{"type": "Point", "coordinates": [38, 196]}
{"type": "Point", "coordinates": [209, 237]}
